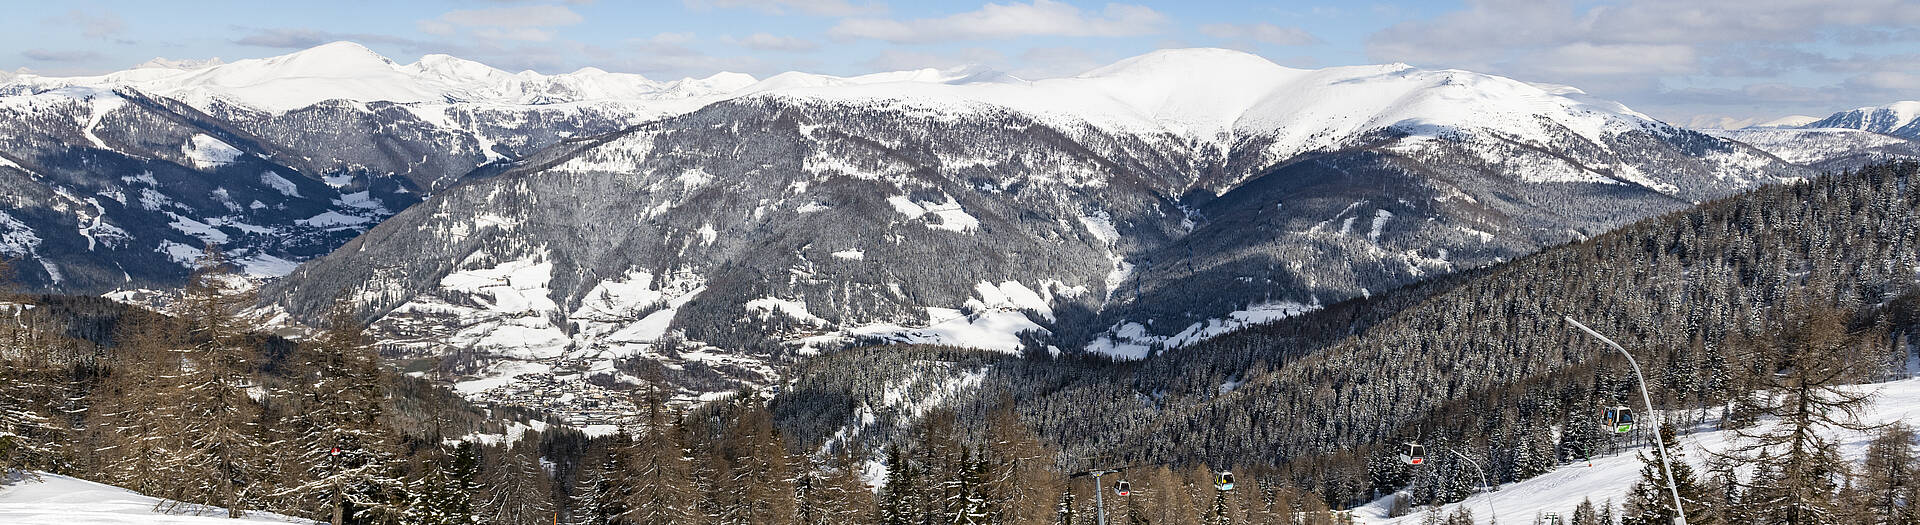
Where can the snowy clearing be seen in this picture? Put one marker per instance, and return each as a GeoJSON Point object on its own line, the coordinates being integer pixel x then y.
{"type": "Point", "coordinates": [61, 500]}
{"type": "Point", "coordinates": [1610, 477]}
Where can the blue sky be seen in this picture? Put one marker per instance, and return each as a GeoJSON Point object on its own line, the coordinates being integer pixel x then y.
{"type": "Point", "coordinates": [1689, 62]}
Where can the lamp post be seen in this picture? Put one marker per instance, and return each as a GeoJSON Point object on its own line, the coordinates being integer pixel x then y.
{"type": "Point", "coordinates": [1679, 509]}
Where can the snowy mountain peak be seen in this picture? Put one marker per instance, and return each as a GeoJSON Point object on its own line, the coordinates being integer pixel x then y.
{"type": "Point", "coordinates": [333, 59]}
{"type": "Point", "coordinates": [1789, 121]}
{"type": "Point", "coordinates": [449, 66]}
{"type": "Point", "coordinates": [1899, 119]}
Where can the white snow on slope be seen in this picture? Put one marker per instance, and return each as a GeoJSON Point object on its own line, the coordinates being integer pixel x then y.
{"type": "Point", "coordinates": [280, 184]}
{"type": "Point", "coordinates": [1132, 341]}
{"type": "Point", "coordinates": [62, 500]}
{"type": "Point", "coordinates": [946, 215]}
{"type": "Point", "coordinates": [208, 153]}
{"type": "Point", "coordinates": [1610, 476]}
{"type": "Point", "coordinates": [1803, 146]}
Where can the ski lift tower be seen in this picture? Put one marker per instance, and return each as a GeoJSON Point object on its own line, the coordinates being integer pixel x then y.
{"type": "Point", "coordinates": [1679, 509]}
{"type": "Point", "coordinates": [1099, 503]}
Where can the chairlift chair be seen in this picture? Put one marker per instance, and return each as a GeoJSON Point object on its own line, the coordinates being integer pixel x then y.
{"type": "Point", "coordinates": [1414, 454]}
{"type": "Point", "coordinates": [1224, 481]}
{"type": "Point", "coordinates": [1123, 488]}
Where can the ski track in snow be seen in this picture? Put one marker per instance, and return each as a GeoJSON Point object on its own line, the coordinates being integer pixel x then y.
{"type": "Point", "coordinates": [62, 500]}
{"type": "Point", "coordinates": [1611, 476]}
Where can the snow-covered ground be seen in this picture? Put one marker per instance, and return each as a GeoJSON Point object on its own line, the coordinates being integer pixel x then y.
{"type": "Point", "coordinates": [1609, 477]}
{"type": "Point", "coordinates": [61, 500]}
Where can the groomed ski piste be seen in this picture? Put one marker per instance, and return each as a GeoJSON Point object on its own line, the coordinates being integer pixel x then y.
{"type": "Point", "coordinates": [61, 500]}
{"type": "Point", "coordinates": [1610, 477]}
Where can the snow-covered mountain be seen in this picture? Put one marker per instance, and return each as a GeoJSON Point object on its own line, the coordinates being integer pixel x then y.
{"type": "Point", "coordinates": [349, 71]}
{"type": "Point", "coordinates": [973, 208]}
{"type": "Point", "coordinates": [1900, 119]}
{"type": "Point", "coordinates": [117, 181]}
{"type": "Point", "coordinates": [1844, 140]}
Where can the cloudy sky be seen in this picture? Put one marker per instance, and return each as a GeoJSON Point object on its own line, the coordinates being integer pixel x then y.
{"type": "Point", "coordinates": [1699, 63]}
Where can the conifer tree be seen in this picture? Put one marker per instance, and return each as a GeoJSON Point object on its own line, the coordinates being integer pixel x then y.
{"type": "Point", "coordinates": [761, 475]}
{"type": "Point", "coordinates": [518, 489]}
{"type": "Point", "coordinates": [134, 424]}
{"type": "Point", "coordinates": [219, 417]}
{"type": "Point", "coordinates": [27, 438]}
{"type": "Point", "coordinates": [348, 449]}
{"type": "Point", "coordinates": [900, 498]}
{"type": "Point", "coordinates": [1021, 478]}
{"type": "Point", "coordinates": [444, 496]}
{"type": "Point", "coordinates": [1650, 501]}
{"type": "Point", "coordinates": [1584, 514]}
{"type": "Point", "coordinates": [1888, 487]}
{"type": "Point", "coordinates": [838, 495]}
{"type": "Point", "coordinates": [1797, 466]}
{"type": "Point", "coordinates": [599, 495]}
{"type": "Point", "coordinates": [658, 474]}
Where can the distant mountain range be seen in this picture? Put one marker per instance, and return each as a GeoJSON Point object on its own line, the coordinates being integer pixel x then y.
{"type": "Point", "coordinates": [597, 224]}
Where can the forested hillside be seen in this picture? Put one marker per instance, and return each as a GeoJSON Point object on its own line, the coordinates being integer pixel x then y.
{"type": "Point", "coordinates": [1710, 299]}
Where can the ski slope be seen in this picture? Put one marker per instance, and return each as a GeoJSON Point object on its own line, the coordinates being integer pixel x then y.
{"type": "Point", "coordinates": [1609, 477]}
{"type": "Point", "coordinates": [61, 500]}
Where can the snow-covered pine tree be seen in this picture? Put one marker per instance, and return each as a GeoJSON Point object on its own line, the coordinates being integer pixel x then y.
{"type": "Point", "coordinates": [444, 496]}
{"type": "Point", "coordinates": [219, 418]}
{"type": "Point", "coordinates": [1806, 370]}
{"type": "Point", "coordinates": [1218, 512]}
{"type": "Point", "coordinates": [29, 436]}
{"type": "Point", "coordinates": [1649, 502]}
{"type": "Point", "coordinates": [758, 467]}
{"type": "Point", "coordinates": [1461, 515]}
{"type": "Point", "coordinates": [1584, 514]}
{"type": "Point", "coordinates": [900, 498]}
{"type": "Point", "coordinates": [345, 448]}
{"type": "Point", "coordinates": [1063, 510]}
{"type": "Point", "coordinates": [1021, 478]}
{"type": "Point", "coordinates": [839, 495]}
{"type": "Point", "coordinates": [600, 492]}
{"type": "Point", "coordinates": [1887, 481]}
{"type": "Point", "coordinates": [656, 475]}
{"type": "Point", "coordinates": [518, 489]}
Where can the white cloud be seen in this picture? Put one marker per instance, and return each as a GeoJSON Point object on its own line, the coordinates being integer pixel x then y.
{"type": "Point", "coordinates": [1012, 20]}
{"type": "Point", "coordinates": [807, 7]}
{"type": "Point", "coordinates": [1888, 80]}
{"type": "Point", "coordinates": [1656, 55]}
{"type": "Point", "coordinates": [1262, 32]}
{"type": "Point", "coordinates": [519, 23]}
{"type": "Point", "coordinates": [769, 42]}
{"type": "Point", "coordinates": [1584, 58]}
{"type": "Point", "coordinates": [518, 16]}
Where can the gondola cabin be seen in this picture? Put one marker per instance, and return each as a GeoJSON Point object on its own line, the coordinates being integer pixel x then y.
{"type": "Point", "coordinates": [1123, 488]}
{"type": "Point", "coordinates": [1620, 419]}
{"type": "Point", "coordinates": [1414, 454]}
{"type": "Point", "coordinates": [1224, 481]}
